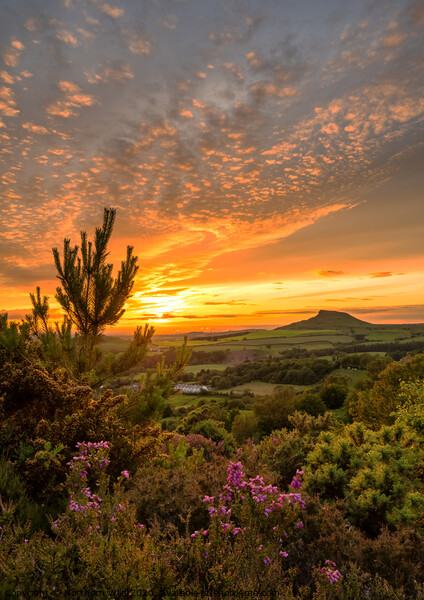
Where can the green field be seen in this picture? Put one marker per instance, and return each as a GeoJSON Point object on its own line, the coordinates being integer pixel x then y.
{"type": "Point", "coordinates": [277, 333]}
{"type": "Point", "coordinates": [197, 368]}
{"type": "Point", "coordinates": [179, 400]}
{"type": "Point", "coordinates": [258, 388]}
{"type": "Point", "coordinates": [352, 375]}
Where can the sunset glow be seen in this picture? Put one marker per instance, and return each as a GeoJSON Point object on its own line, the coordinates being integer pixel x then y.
{"type": "Point", "coordinates": [265, 158]}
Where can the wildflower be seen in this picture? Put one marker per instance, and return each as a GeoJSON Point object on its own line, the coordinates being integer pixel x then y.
{"type": "Point", "coordinates": [267, 560]}
{"type": "Point", "coordinates": [205, 532]}
{"type": "Point", "coordinates": [296, 483]}
{"type": "Point", "coordinates": [333, 575]}
{"type": "Point", "coordinates": [283, 554]}
{"type": "Point", "coordinates": [125, 474]}
{"type": "Point", "coordinates": [208, 499]}
{"type": "Point", "coordinates": [235, 474]}
{"type": "Point", "coordinates": [193, 535]}
{"type": "Point", "coordinates": [299, 525]}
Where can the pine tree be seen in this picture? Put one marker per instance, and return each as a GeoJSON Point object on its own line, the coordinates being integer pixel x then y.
{"type": "Point", "coordinates": [91, 298]}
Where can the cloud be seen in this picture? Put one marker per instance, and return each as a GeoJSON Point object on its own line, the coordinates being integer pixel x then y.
{"type": "Point", "coordinates": [12, 54]}
{"type": "Point", "coordinates": [117, 71]}
{"type": "Point", "coordinates": [8, 106]}
{"type": "Point", "coordinates": [228, 303]}
{"type": "Point", "coordinates": [206, 164]}
{"type": "Point", "coordinates": [74, 98]}
{"type": "Point", "coordinates": [39, 129]}
{"type": "Point", "coordinates": [67, 37]}
{"type": "Point", "coordinates": [381, 274]}
{"type": "Point", "coordinates": [12, 273]}
{"type": "Point", "coordinates": [138, 42]}
{"type": "Point", "coordinates": [330, 273]}
{"type": "Point", "coordinates": [112, 11]}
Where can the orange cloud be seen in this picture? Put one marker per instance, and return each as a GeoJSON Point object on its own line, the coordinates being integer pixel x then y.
{"type": "Point", "coordinates": [112, 11]}
{"type": "Point", "coordinates": [381, 274]}
{"type": "Point", "coordinates": [329, 273]}
{"type": "Point", "coordinates": [13, 53]}
{"type": "Point", "coordinates": [74, 98]}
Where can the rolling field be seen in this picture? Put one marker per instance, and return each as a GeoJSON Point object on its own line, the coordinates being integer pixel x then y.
{"type": "Point", "coordinates": [351, 374]}
{"type": "Point", "coordinates": [278, 333]}
{"type": "Point", "coordinates": [212, 367]}
{"type": "Point", "coordinates": [258, 388]}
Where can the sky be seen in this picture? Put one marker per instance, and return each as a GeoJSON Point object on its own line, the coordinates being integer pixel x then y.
{"type": "Point", "coordinates": [265, 157]}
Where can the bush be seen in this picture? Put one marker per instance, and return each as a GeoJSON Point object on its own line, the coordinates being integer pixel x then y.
{"type": "Point", "coordinates": [312, 404]}
{"type": "Point", "coordinates": [273, 411]}
{"type": "Point", "coordinates": [45, 415]}
{"type": "Point", "coordinates": [333, 395]}
{"type": "Point", "coordinates": [372, 471]}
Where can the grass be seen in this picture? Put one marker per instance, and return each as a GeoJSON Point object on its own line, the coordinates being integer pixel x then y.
{"type": "Point", "coordinates": [178, 400]}
{"type": "Point", "coordinates": [281, 333]}
{"type": "Point", "coordinates": [258, 388]}
{"type": "Point", "coordinates": [195, 369]}
{"type": "Point", "coordinates": [351, 374]}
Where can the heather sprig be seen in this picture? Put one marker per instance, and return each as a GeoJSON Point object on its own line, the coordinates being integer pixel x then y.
{"type": "Point", "coordinates": [98, 509]}
{"type": "Point", "coordinates": [249, 508]}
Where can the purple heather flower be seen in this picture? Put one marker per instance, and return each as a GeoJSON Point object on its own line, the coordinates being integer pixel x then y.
{"type": "Point", "coordinates": [267, 560]}
{"type": "Point", "coordinates": [299, 525]}
{"type": "Point", "coordinates": [125, 474]}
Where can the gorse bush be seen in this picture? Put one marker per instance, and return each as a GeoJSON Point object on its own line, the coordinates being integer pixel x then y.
{"type": "Point", "coordinates": [375, 472]}
{"type": "Point", "coordinates": [40, 447]}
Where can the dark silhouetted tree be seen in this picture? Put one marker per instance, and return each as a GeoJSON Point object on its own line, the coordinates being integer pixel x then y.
{"type": "Point", "coordinates": [91, 298]}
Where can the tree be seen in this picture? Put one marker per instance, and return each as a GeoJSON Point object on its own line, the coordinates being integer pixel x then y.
{"type": "Point", "coordinates": [333, 395]}
{"type": "Point", "coordinates": [90, 297]}
{"type": "Point", "coordinates": [92, 300]}
{"type": "Point", "coordinates": [312, 404]}
{"type": "Point", "coordinates": [272, 411]}
{"type": "Point", "coordinates": [376, 407]}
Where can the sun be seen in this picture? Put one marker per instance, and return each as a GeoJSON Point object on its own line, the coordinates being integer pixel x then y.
{"type": "Point", "coordinates": [160, 306]}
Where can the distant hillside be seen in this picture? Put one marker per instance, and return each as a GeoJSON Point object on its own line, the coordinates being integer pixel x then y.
{"type": "Point", "coordinates": [328, 319]}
